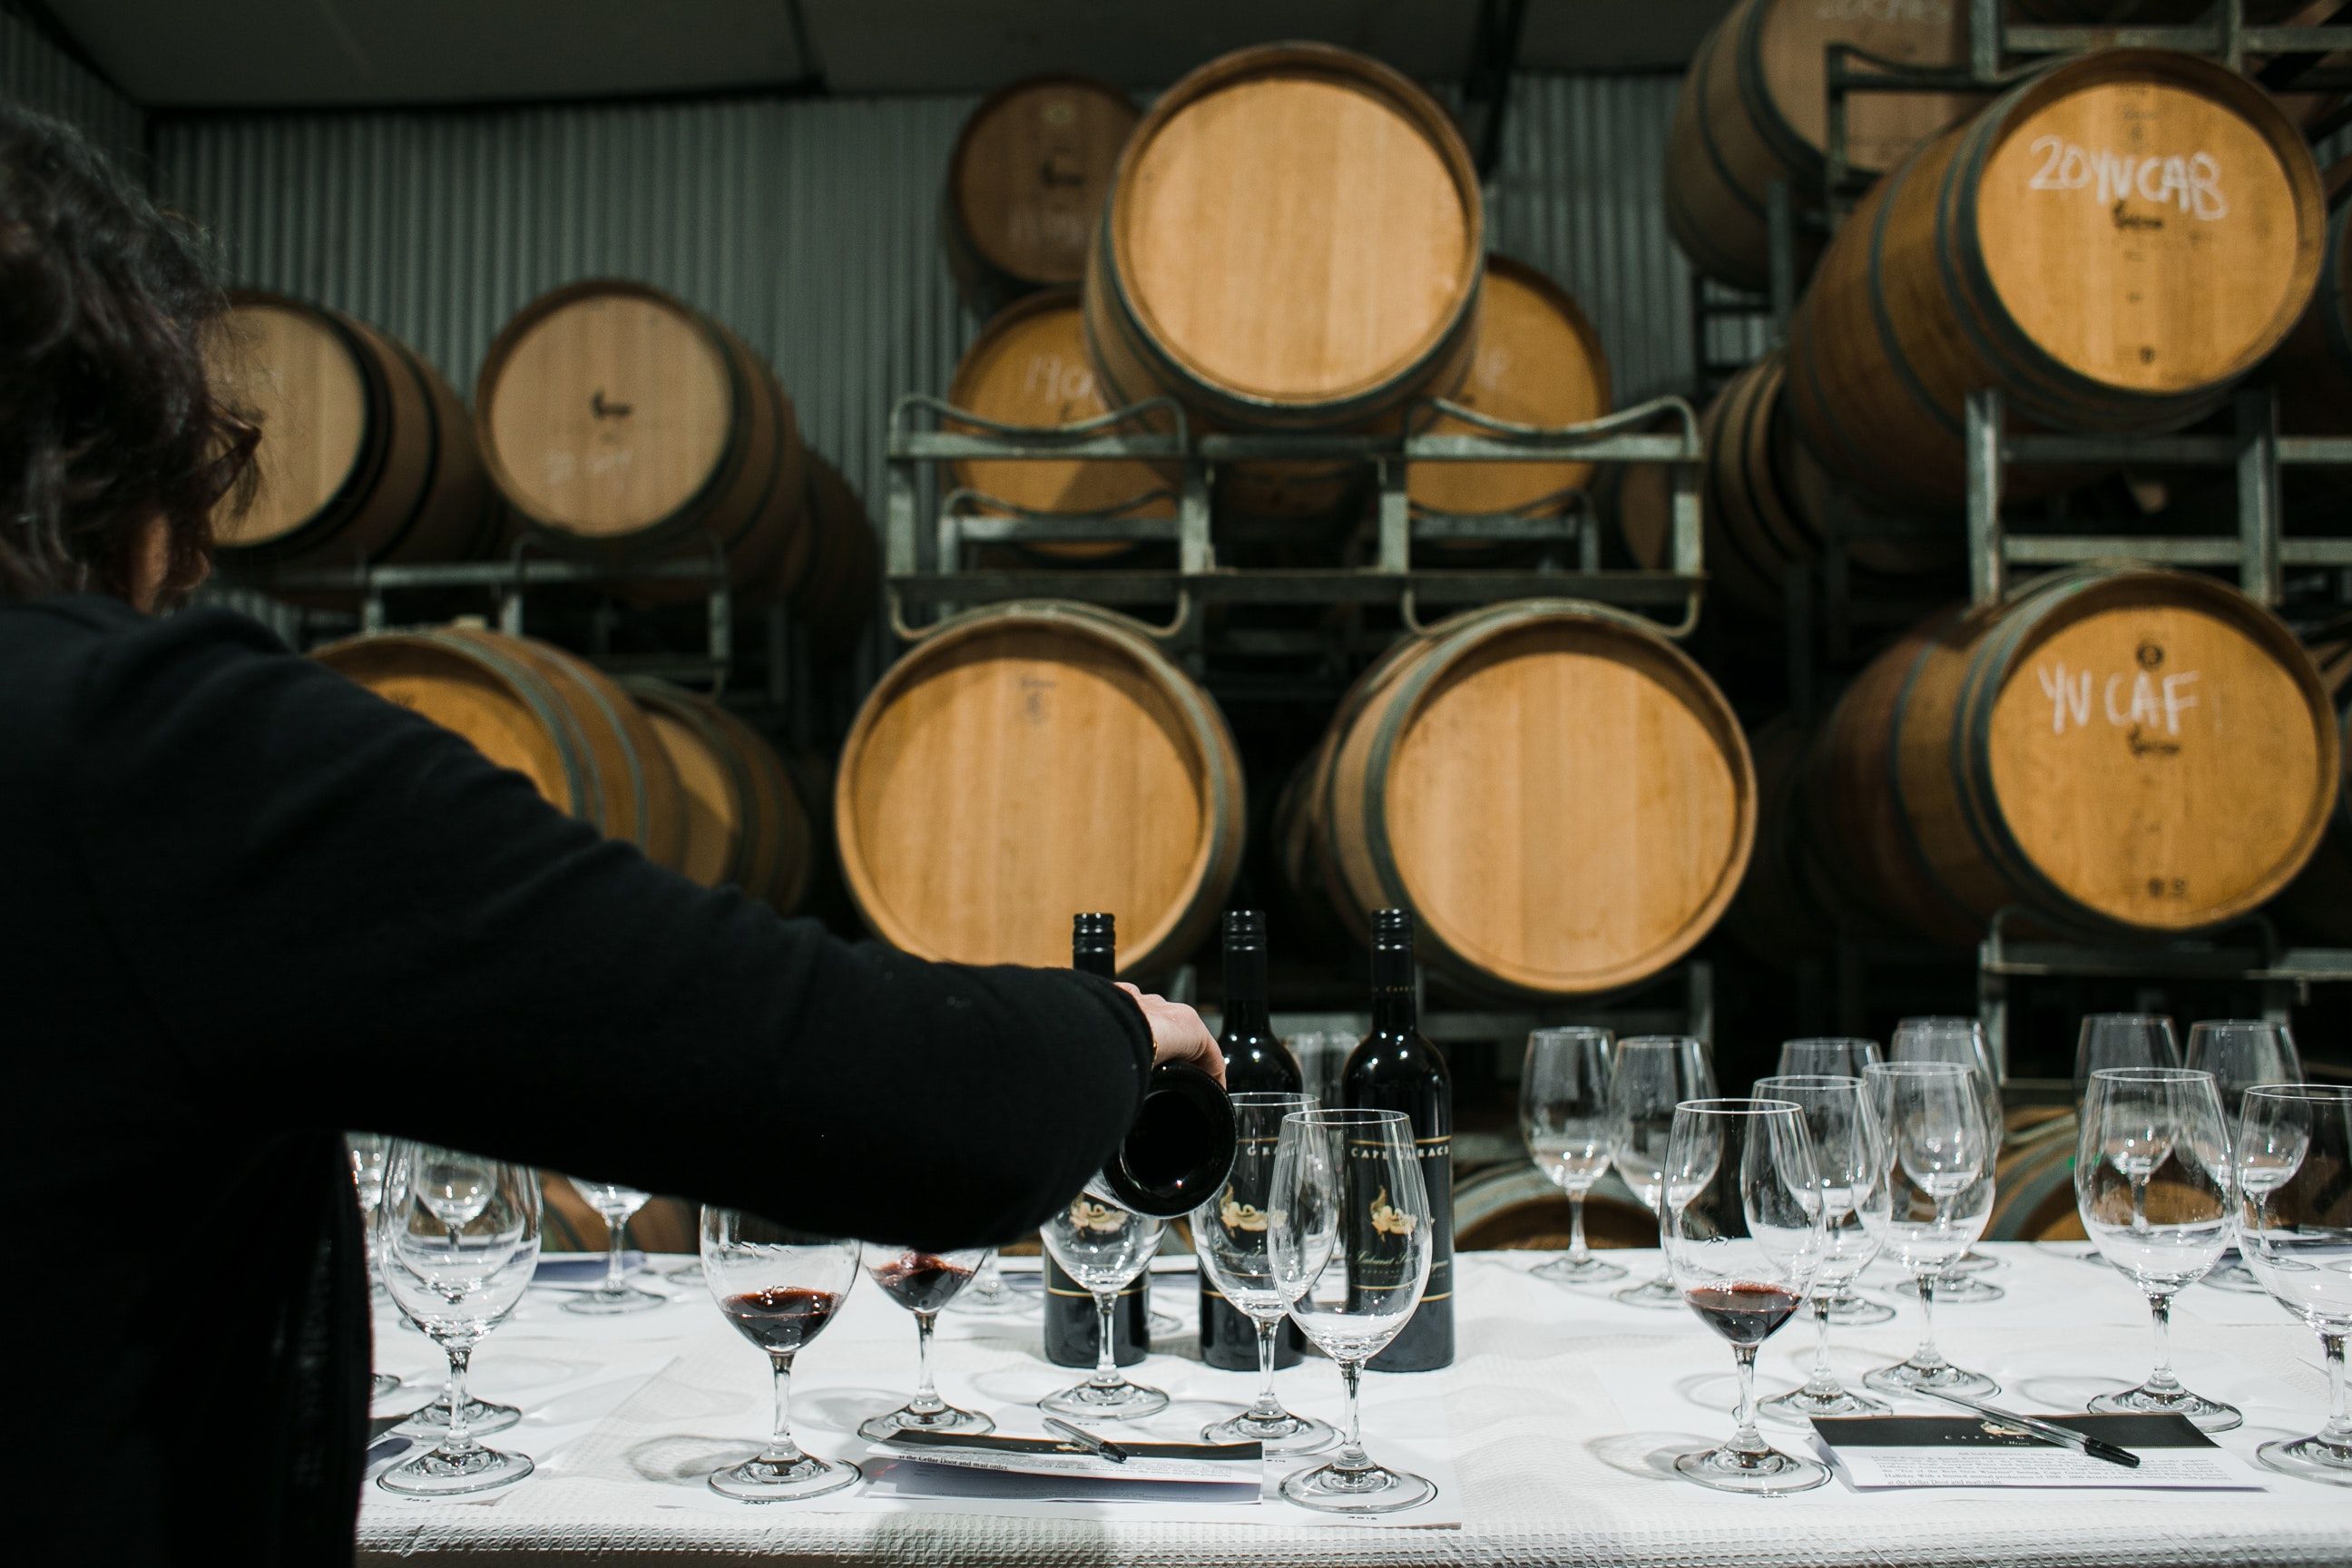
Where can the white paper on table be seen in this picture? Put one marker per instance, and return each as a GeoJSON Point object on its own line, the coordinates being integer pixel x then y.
{"type": "Point", "coordinates": [1147, 1464]}
{"type": "Point", "coordinates": [942, 1475]}
{"type": "Point", "coordinates": [1976, 1452]}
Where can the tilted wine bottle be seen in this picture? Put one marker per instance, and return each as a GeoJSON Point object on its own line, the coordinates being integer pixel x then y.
{"type": "Point", "coordinates": [1397, 1068]}
{"type": "Point", "coordinates": [1069, 1309]}
{"type": "Point", "coordinates": [1255, 1062]}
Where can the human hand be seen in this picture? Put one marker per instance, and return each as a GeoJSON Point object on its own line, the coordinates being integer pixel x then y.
{"type": "Point", "coordinates": [1177, 1033]}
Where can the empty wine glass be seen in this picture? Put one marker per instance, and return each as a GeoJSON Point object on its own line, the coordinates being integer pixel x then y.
{"type": "Point", "coordinates": [1103, 1246]}
{"type": "Point", "coordinates": [2241, 1053]}
{"type": "Point", "coordinates": [1936, 1162]}
{"type": "Point", "coordinates": [1349, 1234]}
{"type": "Point", "coordinates": [1649, 1076]}
{"type": "Point", "coordinates": [1960, 1040]}
{"type": "Point", "coordinates": [459, 1236]}
{"type": "Point", "coordinates": [614, 1205]}
{"type": "Point", "coordinates": [1565, 1118]}
{"type": "Point", "coordinates": [779, 1287]}
{"type": "Point", "coordinates": [1229, 1233]}
{"type": "Point", "coordinates": [988, 1295]}
{"type": "Point", "coordinates": [1744, 1227]}
{"type": "Point", "coordinates": [2122, 1041]}
{"type": "Point", "coordinates": [923, 1282]}
{"type": "Point", "coordinates": [1831, 1056]}
{"type": "Point", "coordinates": [2139, 1124]}
{"type": "Point", "coordinates": [367, 1151]}
{"type": "Point", "coordinates": [2293, 1149]}
{"type": "Point", "coordinates": [1846, 1156]}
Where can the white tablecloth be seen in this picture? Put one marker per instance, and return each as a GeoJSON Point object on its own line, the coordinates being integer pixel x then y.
{"type": "Point", "coordinates": [1561, 1418]}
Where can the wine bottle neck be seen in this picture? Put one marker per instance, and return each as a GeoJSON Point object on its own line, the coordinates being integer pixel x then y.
{"type": "Point", "coordinates": [1246, 1005]}
{"type": "Point", "coordinates": [1395, 1006]}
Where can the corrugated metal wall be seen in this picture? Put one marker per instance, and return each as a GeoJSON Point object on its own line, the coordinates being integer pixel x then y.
{"type": "Point", "coordinates": [808, 225]}
{"type": "Point", "coordinates": [35, 73]}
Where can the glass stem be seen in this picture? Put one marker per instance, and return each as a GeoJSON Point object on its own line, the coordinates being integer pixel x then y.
{"type": "Point", "coordinates": [2139, 1203]}
{"type": "Point", "coordinates": [1267, 1407]}
{"type": "Point", "coordinates": [2160, 1312]}
{"type": "Point", "coordinates": [460, 1439]}
{"type": "Point", "coordinates": [1927, 1358]}
{"type": "Point", "coordinates": [1352, 1455]}
{"type": "Point", "coordinates": [1823, 1382]}
{"type": "Point", "coordinates": [1106, 1351]}
{"type": "Point", "coordinates": [1746, 1439]}
{"type": "Point", "coordinates": [616, 1236]}
{"type": "Point", "coordinates": [2338, 1429]}
{"type": "Point", "coordinates": [782, 1450]}
{"type": "Point", "coordinates": [927, 1400]}
{"type": "Point", "coordinates": [1578, 1252]}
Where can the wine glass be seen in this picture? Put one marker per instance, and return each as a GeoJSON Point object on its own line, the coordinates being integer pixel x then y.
{"type": "Point", "coordinates": [1565, 1118]}
{"type": "Point", "coordinates": [2295, 1231]}
{"type": "Point", "coordinates": [779, 1287]}
{"type": "Point", "coordinates": [1229, 1233]}
{"type": "Point", "coordinates": [1651, 1075]}
{"type": "Point", "coordinates": [614, 1205]}
{"type": "Point", "coordinates": [1348, 1236]}
{"type": "Point", "coordinates": [1321, 1055]}
{"type": "Point", "coordinates": [923, 1282]}
{"type": "Point", "coordinates": [988, 1295]}
{"type": "Point", "coordinates": [2241, 1053]}
{"type": "Point", "coordinates": [2135, 1123]}
{"type": "Point", "coordinates": [2122, 1041]}
{"type": "Point", "coordinates": [1845, 1152]}
{"type": "Point", "coordinates": [459, 1236]}
{"type": "Point", "coordinates": [1745, 1208]}
{"type": "Point", "coordinates": [1935, 1156]}
{"type": "Point", "coordinates": [1832, 1055]}
{"type": "Point", "coordinates": [1960, 1040]}
{"type": "Point", "coordinates": [367, 1151]}
{"type": "Point", "coordinates": [1103, 1246]}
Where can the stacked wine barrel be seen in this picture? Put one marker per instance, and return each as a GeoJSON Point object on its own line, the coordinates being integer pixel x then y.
{"type": "Point", "coordinates": [623, 425]}
{"type": "Point", "coordinates": [672, 772]}
{"type": "Point", "coordinates": [366, 454]}
{"type": "Point", "coordinates": [1025, 185]}
{"type": "Point", "coordinates": [2320, 900]}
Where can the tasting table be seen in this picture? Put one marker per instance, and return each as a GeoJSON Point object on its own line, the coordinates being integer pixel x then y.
{"type": "Point", "coordinates": [1553, 1431]}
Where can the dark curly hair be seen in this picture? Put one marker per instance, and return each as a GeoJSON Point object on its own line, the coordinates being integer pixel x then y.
{"type": "Point", "coordinates": [107, 415]}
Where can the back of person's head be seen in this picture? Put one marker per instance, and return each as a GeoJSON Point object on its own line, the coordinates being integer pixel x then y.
{"type": "Point", "coordinates": [108, 419]}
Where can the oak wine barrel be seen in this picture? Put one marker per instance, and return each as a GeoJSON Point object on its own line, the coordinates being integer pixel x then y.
{"type": "Point", "coordinates": [1029, 366]}
{"type": "Point", "coordinates": [2320, 899]}
{"type": "Point", "coordinates": [1538, 362]}
{"type": "Point", "coordinates": [2112, 244]}
{"type": "Point", "coordinates": [2119, 750]}
{"type": "Point", "coordinates": [1025, 183]}
{"type": "Point", "coordinates": [556, 719]}
{"type": "Point", "coordinates": [2313, 367]}
{"type": "Point", "coordinates": [1752, 111]}
{"type": "Point", "coordinates": [1479, 773]}
{"type": "Point", "coordinates": [1294, 241]}
{"type": "Point", "coordinates": [1513, 1208]}
{"type": "Point", "coordinates": [623, 424]}
{"type": "Point", "coordinates": [835, 595]}
{"type": "Point", "coordinates": [1025, 761]}
{"type": "Point", "coordinates": [366, 453]}
{"type": "Point", "coordinates": [2033, 1179]}
{"type": "Point", "coordinates": [746, 825]}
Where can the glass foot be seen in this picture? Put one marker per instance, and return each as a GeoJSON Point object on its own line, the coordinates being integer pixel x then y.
{"type": "Point", "coordinates": [2205, 1414]}
{"type": "Point", "coordinates": [906, 1418]}
{"type": "Point", "coordinates": [1659, 1292]}
{"type": "Point", "coordinates": [1971, 1262]}
{"type": "Point", "coordinates": [602, 1303]}
{"type": "Point", "coordinates": [1909, 1377]}
{"type": "Point", "coordinates": [1120, 1400]}
{"type": "Point", "coordinates": [1002, 1301]}
{"type": "Point", "coordinates": [2315, 1458]}
{"type": "Point", "coordinates": [785, 1481]}
{"type": "Point", "coordinates": [1799, 1405]}
{"type": "Point", "coordinates": [1283, 1434]}
{"type": "Point", "coordinates": [1577, 1271]}
{"type": "Point", "coordinates": [1764, 1472]}
{"type": "Point", "coordinates": [440, 1474]}
{"type": "Point", "coordinates": [381, 1383]}
{"type": "Point", "coordinates": [1854, 1308]}
{"type": "Point", "coordinates": [482, 1418]}
{"type": "Point", "coordinates": [1955, 1290]}
{"type": "Point", "coordinates": [1374, 1489]}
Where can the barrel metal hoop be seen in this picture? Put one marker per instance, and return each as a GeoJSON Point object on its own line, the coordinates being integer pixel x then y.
{"type": "Point", "coordinates": [1883, 319]}
{"type": "Point", "coordinates": [2336, 321]}
{"type": "Point", "coordinates": [433, 443]}
{"type": "Point", "coordinates": [1858, 457]}
{"type": "Point", "coordinates": [368, 463]}
{"type": "Point", "coordinates": [1703, 124]}
{"type": "Point", "coordinates": [1806, 164]}
{"type": "Point", "coordinates": [1906, 831]}
{"type": "Point", "coordinates": [571, 750]}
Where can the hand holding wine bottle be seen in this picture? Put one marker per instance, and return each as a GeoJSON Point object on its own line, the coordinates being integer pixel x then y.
{"type": "Point", "coordinates": [1177, 1033]}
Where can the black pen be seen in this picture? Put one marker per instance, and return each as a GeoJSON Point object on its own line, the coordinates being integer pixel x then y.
{"type": "Point", "coordinates": [1104, 1447]}
{"type": "Point", "coordinates": [2064, 1437]}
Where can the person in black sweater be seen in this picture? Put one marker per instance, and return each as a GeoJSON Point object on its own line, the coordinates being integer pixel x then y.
{"type": "Point", "coordinates": [247, 906]}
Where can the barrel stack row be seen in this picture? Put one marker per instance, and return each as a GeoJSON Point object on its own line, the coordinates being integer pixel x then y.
{"type": "Point", "coordinates": [612, 422]}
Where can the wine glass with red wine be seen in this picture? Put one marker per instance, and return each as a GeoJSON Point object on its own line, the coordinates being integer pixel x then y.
{"type": "Point", "coordinates": [779, 1287]}
{"type": "Point", "coordinates": [923, 1282]}
{"type": "Point", "coordinates": [1744, 1237]}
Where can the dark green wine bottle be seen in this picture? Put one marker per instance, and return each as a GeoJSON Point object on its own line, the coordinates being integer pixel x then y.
{"type": "Point", "coordinates": [1070, 1325]}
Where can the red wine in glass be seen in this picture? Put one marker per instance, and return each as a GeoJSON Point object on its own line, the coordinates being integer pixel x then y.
{"type": "Point", "coordinates": [921, 1281]}
{"type": "Point", "coordinates": [1743, 1313]}
{"type": "Point", "coordinates": [780, 1318]}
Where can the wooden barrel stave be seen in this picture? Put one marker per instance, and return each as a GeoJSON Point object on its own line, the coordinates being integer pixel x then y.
{"type": "Point", "coordinates": [1513, 1208]}
{"type": "Point", "coordinates": [1029, 760]}
{"type": "Point", "coordinates": [1030, 167]}
{"type": "Point", "coordinates": [837, 594]}
{"type": "Point", "coordinates": [2313, 368]}
{"type": "Point", "coordinates": [745, 822]}
{"type": "Point", "coordinates": [2320, 899]}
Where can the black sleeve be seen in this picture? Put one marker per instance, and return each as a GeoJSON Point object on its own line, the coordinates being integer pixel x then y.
{"type": "Point", "coordinates": [346, 918]}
